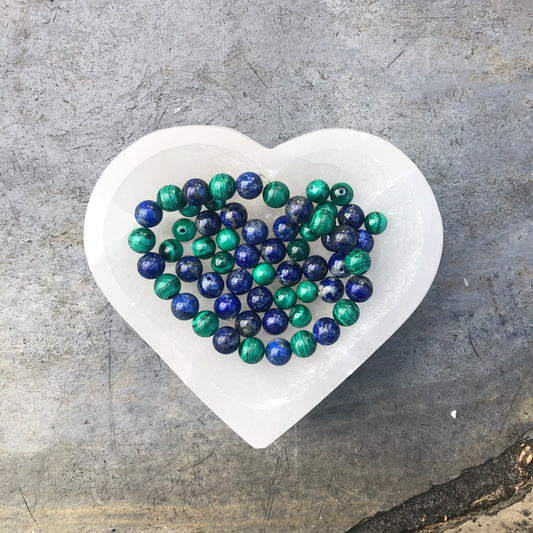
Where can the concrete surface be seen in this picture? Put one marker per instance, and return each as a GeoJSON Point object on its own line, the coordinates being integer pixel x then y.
{"type": "Point", "coordinates": [96, 434]}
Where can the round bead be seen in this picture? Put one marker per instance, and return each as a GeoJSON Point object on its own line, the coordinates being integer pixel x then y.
{"type": "Point", "coordinates": [307, 291]}
{"type": "Point", "coordinates": [226, 340]}
{"type": "Point", "coordinates": [359, 288]}
{"type": "Point", "coordinates": [327, 241]}
{"type": "Point", "coordinates": [275, 321]}
{"type": "Point", "coordinates": [227, 306]}
{"type": "Point", "coordinates": [207, 223]}
{"type": "Point", "coordinates": [365, 241]}
{"type": "Point", "coordinates": [248, 323]}
{"type": "Point", "coordinates": [345, 313]}
{"type": "Point", "coordinates": [278, 352]}
{"type": "Point", "coordinates": [196, 192]}
{"type": "Point", "coordinates": [317, 191]}
{"type": "Point", "coordinates": [233, 215]}
{"type": "Point", "coordinates": [276, 194]}
{"type": "Point", "coordinates": [210, 285]}
{"type": "Point", "coordinates": [215, 205]}
{"type": "Point", "coordinates": [148, 214]}
{"type": "Point", "coordinates": [166, 286]}
{"type": "Point", "coordinates": [264, 274]}
{"type": "Point", "coordinates": [326, 331]}
{"type": "Point", "coordinates": [307, 234]}
{"type": "Point", "coordinates": [169, 198]}
{"type": "Point", "coordinates": [357, 262]}
{"type": "Point", "coordinates": [315, 268]}
{"type": "Point", "coordinates": [285, 298]}
{"type": "Point", "coordinates": [341, 194]}
{"type": "Point", "coordinates": [251, 350]}
{"type": "Point", "coordinates": [322, 222]}
{"type": "Point", "coordinates": [331, 290]}
{"type": "Point", "coordinates": [273, 251]}
{"type": "Point", "coordinates": [171, 250]}
{"type": "Point", "coordinates": [298, 250]}
{"type": "Point", "coordinates": [205, 323]}
{"type": "Point", "coordinates": [222, 187]}
{"type": "Point", "coordinates": [255, 231]}
{"type": "Point", "coordinates": [303, 344]}
{"type": "Point", "coordinates": [141, 240]}
{"type": "Point", "coordinates": [246, 255]}
{"type": "Point", "coordinates": [285, 229]}
{"type": "Point", "coordinates": [289, 273]}
{"type": "Point", "coordinates": [300, 316]}
{"type": "Point", "coordinates": [259, 299]}
{"type": "Point", "coordinates": [190, 210]}
{"type": "Point", "coordinates": [336, 265]}
{"type": "Point", "coordinates": [185, 306]}
{"type": "Point", "coordinates": [184, 229]}
{"type": "Point", "coordinates": [249, 185]}
{"type": "Point", "coordinates": [343, 238]}
{"type": "Point", "coordinates": [352, 215]}
{"type": "Point", "coordinates": [375, 222]}
{"type": "Point", "coordinates": [239, 281]}
{"type": "Point", "coordinates": [204, 247]}
{"type": "Point", "coordinates": [328, 206]}
{"type": "Point", "coordinates": [189, 268]}
{"type": "Point", "coordinates": [150, 265]}
{"type": "Point", "coordinates": [222, 262]}
{"type": "Point", "coordinates": [299, 209]}
{"type": "Point", "coordinates": [228, 239]}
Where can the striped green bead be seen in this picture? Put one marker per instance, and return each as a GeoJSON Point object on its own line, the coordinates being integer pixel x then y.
{"type": "Point", "coordinates": [276, 194]}
{"type": "Point", "coordinates": [328, 206]}
{"type": "Point", "coordinates": [285, 298]}
{"type": "Point", "coordinates": [341, 194]}
{"type": "Point", "coordinates": [170, 198]}
{"type": "Point", "coordinates": [204, 247]}
{"type": "Point", "coordinates": [300, 316]}
{"type": "Point", "coordinates": [222, 262]}
{"type": "Point", "coordinates": [215, 205]}
{"type": "Point", "coordinates": [375, 222]}
{"type": "Point", "coordinates": [303, 344]}
{"type": "Point", "coordinates": [307, 291]}
{"type": "Point", "coordinates": [307, 234]}
{"type": "Point", "coordinates": [171, 250]}
{"type": "Point", "coordinates": [346, 313]}
{"type": "Point", "coordinates": [322, 222]}
{"type": "Point", "coordinates": [184, 229]}
{"type": "Point", "coordinates": [317, 191]}
{"type": "Point", "coordinates": [141, 240]}
{"type": "Point", "coordinates": [190, 210]}
{"type": "Point", "coordinates": [205, 323]}
{"type": "Point", "coordinates": [222, 187]}
{"type": "Point", "coordinates": [251, 350]}
{"type": "Point", "coordinates": [228, 239]}
{"type": "Point", "coordinates": [166, 286]}
{"type": "Point", "coordinates": [298, 249]}
{"type": "Point", "coordinates": [357, 262]}
{"type": "Point", "coordinates": [264, 274]}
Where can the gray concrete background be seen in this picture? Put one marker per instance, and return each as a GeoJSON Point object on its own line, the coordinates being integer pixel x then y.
{"type": "Point", "coordinates": [96, 434]}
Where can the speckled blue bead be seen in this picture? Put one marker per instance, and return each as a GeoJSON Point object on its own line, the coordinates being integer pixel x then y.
{"type": "Point", "coordinates": [196, 192]}
{"type": "Point", "coordinates": [278, 351]}
{"type": "Point", "coordinates": [246, 255]}
{"type": "Point", "coordinates": [249, 185]}
{"type": "Point", "coordinates": [260, 299]}
{"type": "Point", "coordinates": [208, 223]}
{"type": "Point", "coordinates": [327, 241]}
{"type": "Point", "coordinates": [285, 229]}
{"type": "Point", "coordinates": [299, 209]}
{"type": "Point", "coordinates": [210, 285]}
{"type": "Point", "coordinates": [227, 306]}
{"type": "Point", "coordinates": [150, 265]}
{"type": "Point", "coordinates": [289, 273]}
{"type": "Point", "coordinates": [343, 238]}
{"type": "Point", "coordinates": [226, 340]}
{"type": "Point", "coordinates": [331, 290]}
{"type": "Point", "coordinates": [248, 323]}
{"type": "Point", "coordinates": [185, 306]}
{"type": "Point", "coordinates": [273, 251]}
{"type": "Point", "coordinates": [239, 281]}
{"type": "Point", "coordinates": [148, 214]}
{"type": "Point", "coordinates": [315, 268]}
{"type": "Point", "coordinates": [233, 215]}
{"type": "Point", "coordinates": [359, 288]}
{"type": "Point", "coordinates": [275, 321]}
{"type": "Point", "coordinates": [255, 231]}
{"type": "Point", "coordinates": [365, 241]}
{"type": "Point", "coordinates": [326, 331]}
{"type": "Point", "coordinates": [336, 265]}
{"type": "Point", "coordinates": [352, 215]}
{"type": "Point", "coordinates": [189, 268]}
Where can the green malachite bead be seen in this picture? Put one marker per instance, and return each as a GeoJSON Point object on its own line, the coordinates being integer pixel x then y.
{"type": "Point", "coordinates": [166, 286]}
{"type": "Point", "coordinates": [190, 210]}
{"type": "Point", "coordinates": [285, 298]}
{"type": "Point", "coordinates": [222, 187]}
{"type": "Point", "coordinates": [328, 206]}
{"type": "Point", "coordinates": [251, 350]}
{"type": "Point", "coordinates": [345, 313]}
{"type": "Point", "coordinates": [303, 344]}
{"type": "Point", "coordinates": [169, 198]}
{"type": "Point", "coordinates": [215, 205]}
{"type": "Point", "coordinates": [300, 316]}
{"type": "Point", "coordinates": [141, 240]}
{"type": "Point", "coordinates": [307, 291]}
{"type": "Point", "coordinates": [276, 194]}
{"type": "Point", "coordinates": [222, 262]}
{"type": "Point", "coordinates": [264, 274]}
{"type": "Point", "coordinates": [317, 191]}
{"type": "Point", "coordinates": [204, 247]}
{"type": "Point", "coordinates": [205, 323]}
{"type": "Point", "coordinates": [307, 234]}
{"type": "Point", "coordinates": [322, 222]}
{"type": "Point", "coordinates": [184, 229]}
{"type": "Point", "coordinates": [228, 239]}
{"type": "Point", "coordinates": [375, 222]}
{"type": "Point", "coordinates": [341, 194]}
{"type": "Point", "coordinates": [357, 262]}
{"type": "Point", "coordinates": [298, 249]}
{"type": "Point", "coordinates": [171, 250]}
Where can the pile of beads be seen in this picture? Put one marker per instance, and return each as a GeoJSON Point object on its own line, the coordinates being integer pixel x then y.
{"type": "Point", "coordinates": [216, 228]}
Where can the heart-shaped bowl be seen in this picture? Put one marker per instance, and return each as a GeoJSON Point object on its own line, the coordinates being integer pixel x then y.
{"type": "Point", "coordinates": [262, 401]}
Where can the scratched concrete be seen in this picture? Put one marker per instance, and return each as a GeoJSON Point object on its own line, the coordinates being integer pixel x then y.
{"type": "Point", "coordinates": [96, 434]}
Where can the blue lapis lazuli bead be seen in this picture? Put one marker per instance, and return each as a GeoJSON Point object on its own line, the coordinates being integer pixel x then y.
{"type": "Point", "coordinates": [273, 251]}
{"type": "Point", "coordinates": [148, 214]}
{"type": "Point", "coordinates": [246, 255]}
{"type": "Point", "coordinates": [331, 290]}
{"type": "Point", "coordinates": [249, 185]}
{"type": "Point", "coordinates": [260, 299]}
{"type": "Point", "coordinates": [352, 215]}
{"type": "Point", "coordinates": [185, 306]}
{"type": "Point", "coordinates": [299, 209]}
{"type": "Point", "coordinates": [327, 241]}
{"type": "Point", "coordinates": [365, 241]}
{"type": "Point", "coordinates": [285, 229]}
{"type": "Point", "coordinates": [326, 331]}
{"type": "Point", "coordinates": [336, 265]}
{"type": "Point", "coordinates": [196, 192]}
{"type": "Point", "coordinates": [343, 238]}
{"type": "Point", "coordinates": [278, 351]}
{"type": "Point", "coordinates": [255, 231]}
{"type": "Point", "coordinates": [359, 288]}
{"type": "Point", "coordinates": [275, 321]}
{"type": "Point", "coordinates": [315, 268]}
{"type": "Point", "coordinates": [227, 306]}
{"type": "Point", "coordinates": [289, 273]}
{"type": "Point", "coordinates": [210, 285]}
{"type": "Point", "coordinates": [239, 281]}
{"type": "Point", "coordinates": [226, 340]}
{"type": "Point", "coordinates": [208, 223]}
{"type": "Point", "coordinates": [248, 323]}
{"type": "Point", "coordinates": [150, 265]}
{"type": "Point", "coordinates": [233, 215]}
{"type": "Point", "coordinates": [189, 268]}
